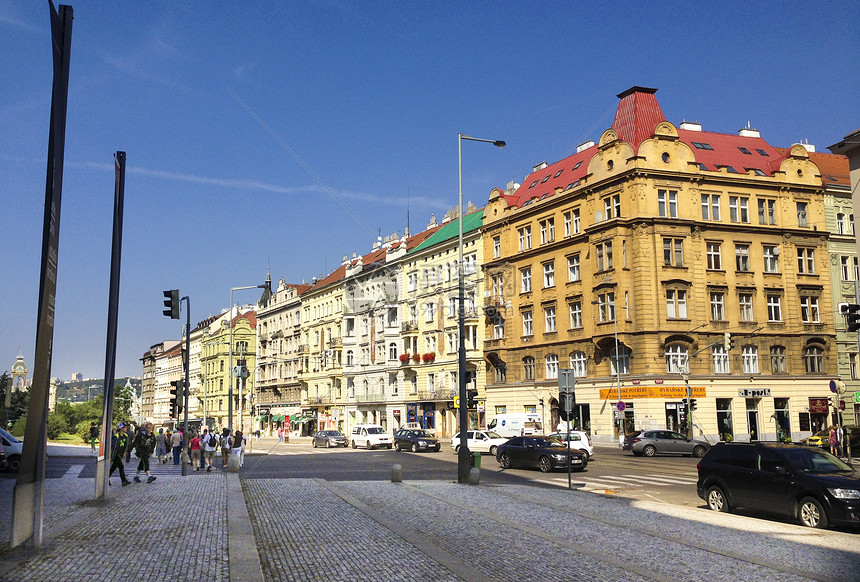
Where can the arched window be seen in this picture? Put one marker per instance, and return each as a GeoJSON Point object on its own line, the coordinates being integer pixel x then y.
{"type": "Point", "coordinates": [777, 360]}
{"type": "Point", "coordinates": [749, 359]}
{"type": "Point", "coordinates": [350, 358]}
{"type": "Point", "coordinates": [577, 363]}
{"type": "Point", "coordinates": [392, 351]}
{"type": "Point", "coordinates": [814, 358]}
{"type": "Point", "coordinates": [677, 356]}
{"type": "Point", "coordinates": [528, 368]}
{"type": "Point", "coordinates": [721, 360]}
{"type": "Point", "coordinates": [551, 367]}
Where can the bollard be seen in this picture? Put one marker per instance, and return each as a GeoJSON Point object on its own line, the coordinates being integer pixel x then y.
{"type": "Point", "coordinates": [233, 464]}
{"type": "Point", "coordinates": [474, 476]}
{"type": "Point", "coordinates": [396, 473]}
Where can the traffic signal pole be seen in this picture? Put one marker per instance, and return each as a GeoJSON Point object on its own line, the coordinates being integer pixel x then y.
{"type": "Point", "coordinates": [185, 386]}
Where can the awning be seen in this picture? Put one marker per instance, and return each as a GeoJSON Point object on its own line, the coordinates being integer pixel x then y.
{"type": "Point", "coordinates": [278, 417]}
{"type": "Point", "coordinates": [262, 418]}
{"type": "Point", "coordinates": [300, 419]}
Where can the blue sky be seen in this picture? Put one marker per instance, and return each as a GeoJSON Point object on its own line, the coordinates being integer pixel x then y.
{"type": "Point", "coordinates": [369, 98]}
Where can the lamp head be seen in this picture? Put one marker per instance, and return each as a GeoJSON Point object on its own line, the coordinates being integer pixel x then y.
{"type": "Point", "coordinates": [499, 144]}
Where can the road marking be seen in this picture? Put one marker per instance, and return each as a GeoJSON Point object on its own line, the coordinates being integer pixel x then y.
{"type": "Point", "coordinates": [73, 471]}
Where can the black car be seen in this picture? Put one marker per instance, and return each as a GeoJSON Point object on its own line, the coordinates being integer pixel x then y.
{"type": "Point", "coordinates": [805, 483]}
{"type": "Point", "coordinates": [539, 451]}
{"type": "Point", "coordinates": [329, 438]}
{"type": "Point", "coordinates": [415, 440]}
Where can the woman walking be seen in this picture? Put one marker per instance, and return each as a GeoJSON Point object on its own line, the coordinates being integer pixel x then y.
{"type": "Point", "coordinates": [161, 446]}
{"type": "Point", "coordinates": [238, 447]}
{"type": "Point", "coordinates": [144, 445]}
{"type": "Point", "coordinates": [194, 443]}
{"type": "Point", "coordinates": [225, 446]}
{"type": "Point", "coordinates": [834, 441]}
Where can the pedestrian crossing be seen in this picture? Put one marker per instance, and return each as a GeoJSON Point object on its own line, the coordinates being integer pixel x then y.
{"type": "Point", "coordinates": [627, 482]}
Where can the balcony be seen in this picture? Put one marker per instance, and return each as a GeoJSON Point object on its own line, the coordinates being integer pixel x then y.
{"type": "Point", "coordinates": [442, 394]}
{"type": "Point", "coordinates": [304, 349]}
{"type": "Point", "coordinates": [375, 397]}
{"type": "Point", "coordinates": [408, 326]}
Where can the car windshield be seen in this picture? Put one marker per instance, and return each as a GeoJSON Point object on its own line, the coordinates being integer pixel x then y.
{"type": "Point", "coordinates": [8, 436]}
{"type": "Point", "coordinates": [375, 430]}
{"type": "Point", "coordinates": [550, 443]}
{"type": "Point", "coordinates": [421, 433]}
{"type": "Point", "coordinates": [494, 435]}
{"type": "Point", "coordinates": [814, 461]}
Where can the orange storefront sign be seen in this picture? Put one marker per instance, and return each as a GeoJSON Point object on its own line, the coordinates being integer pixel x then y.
{"type": "Point", "coordinates": [669, 392]}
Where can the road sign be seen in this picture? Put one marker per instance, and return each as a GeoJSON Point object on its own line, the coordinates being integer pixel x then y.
{"type": "Point", "coordinates": [620, 406]}
{"type": "Point", "coordinates": [456, 402]}
{"type": "Point", "coordinates": [566, 381]}
{"type": "Point", "coordinates": [833, 386]}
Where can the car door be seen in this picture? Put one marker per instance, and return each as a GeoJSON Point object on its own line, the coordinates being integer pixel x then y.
{"type": "Point", "coordinates": [736, 474]}
{"type": "Point", "coordinates": [679, 444]}
{"type": "Point", "coordinates": [479, 444]}
{"type": "Point", "coordinates": [516, 450]}
{"type": "Point", "coordinates": [773, 484]}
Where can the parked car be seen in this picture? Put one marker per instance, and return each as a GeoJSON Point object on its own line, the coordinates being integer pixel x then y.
{"type": "Point", "coordinates": [578, 440]}
{"type": "Point", "coordinates": [663, 442]}
{"type": "Point", "coordinates": [539, 451]}
{"type": "Point", "coordinates": [415, 440]}
{"type": "Point", "coordinates": [370, 436]}
{"type": "Point", "coordinates": [804, 483]}
{"type": "Point", "coordinates": [510, 424]}
{"type": "Point", "coordinates": [819, 439]}
{"type": "Point", "coordinates": [480, 441]}
{"type": "Point", "coordinates": [329, 438]}
{"type": "Point", "coordinates": [12, 449]}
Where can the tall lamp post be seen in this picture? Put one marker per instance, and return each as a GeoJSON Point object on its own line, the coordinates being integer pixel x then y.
{"type": "Point", "coordinates": [230, 368]}
{"type": "Point", "coordinates": [603, 305]}
{"type": "Point", "coordinates": [463, 463]}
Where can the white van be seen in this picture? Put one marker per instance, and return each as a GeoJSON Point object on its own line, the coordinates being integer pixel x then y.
{"type": "Point", "coordinates": [516, 423]}
{"type": "Point", "coordinates": [370, 436]}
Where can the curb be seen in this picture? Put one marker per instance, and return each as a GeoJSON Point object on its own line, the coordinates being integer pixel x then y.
{"type": "Point", "coordinates": [244, 557]}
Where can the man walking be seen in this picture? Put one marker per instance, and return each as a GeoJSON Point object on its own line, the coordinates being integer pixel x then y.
{"type": "Point", "coordinates": [144, 444]}
{"type": "Point", "coordinates": [94, 437]}
{"type": "Point", "coordinates": [210, 444]}
{"type": "Point", "coordinates": [225, 446]}
{"type": "Point", "coordinates": [118, 446]}
{"type": "Point", "coordinates": [176, 445]}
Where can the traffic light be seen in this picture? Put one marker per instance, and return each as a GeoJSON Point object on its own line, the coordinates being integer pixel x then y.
{"type": "Point", "coordinates": [692, 404]}
{"type": "Point", "coordinates": [852, 314]}
{"type": "Point", "coordinates": [566, 402]}
{"type": "Point", "coordinates": [686, 404]}
{"type": "Point", "coordinates": [471, 395]}
{"type": "Point", "coordinates": [176, 397]}
{"type": "Point", "coordinates": [171, 303]}
{"type": "Point", "coordinates": [728, 342]}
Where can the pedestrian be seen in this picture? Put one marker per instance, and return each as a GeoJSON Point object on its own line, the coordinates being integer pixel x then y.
{"type": "Point", "coordinates": [194, 444]}
{"type": "Point", "coordinates": [225, 446]}
{"type": "Point", "coordinates": [118, 447]}
{"type": "Point", "coordinates": [210, 445]}
{"type": "Point", "coordinates": [161, 446]}
{"type": "Point", "coordinates": [94, 437]}
{"type": "Point", "coordinates": [136, 432]}
{"type": "Point", "coordinates": [833, 440]}
{"type": "Point", "coordinates": [257, 435]}
{"type": "Point", "coordinates": [280, 435]}
{"type": "Point", "coordinates": [144, 445]}
{"type": "Point", "coordinates": [840, 442]}
{"type": "Point", "coordinates": [176, 445]}
{"type": "Point", "coordinates": [237, 447]}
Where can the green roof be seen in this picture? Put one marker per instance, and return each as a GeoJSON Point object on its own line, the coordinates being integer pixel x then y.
{"type": "Point", "coordinates": [451, 230]}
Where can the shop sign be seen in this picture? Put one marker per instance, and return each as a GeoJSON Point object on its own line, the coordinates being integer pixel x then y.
{"type": "Point", "coordinates": [754, 392]}
{"type": "Point", "coordinates": [857, 397]}
{"type": "Point", "coordinates": [819, 405]}
{"type": "Point", "coordinates": [669, 392]}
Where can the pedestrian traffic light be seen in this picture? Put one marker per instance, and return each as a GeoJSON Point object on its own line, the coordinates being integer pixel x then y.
{"type": "Point", "coordinates": [692, 404]}
{"type": "Point", "coordinates": [176, 398]}
{"type": "Point", "coordinates": [685, 403]}
{"type": "Point", "coordinates": [728, 342]}
{"type": "Point", "coordinates": [471, 395]}
{"type": "Point", "coordinates": [171, 303]}
{"type": "Point", "coordinates": [566, 402]}
{"type": "Point", "coordinates": [852, 314]}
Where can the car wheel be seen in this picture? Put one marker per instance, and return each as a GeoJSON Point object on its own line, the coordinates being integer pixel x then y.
{"type": "Point", "coordinates": [370, 447]}
{"type": "Point", "coordinates": [699, 452]}
{"type": "Point", "coordinates": [493, 450]}
{"type": "Point", "coordinates": [717, 499]}
{"type": "Point", "coordinates": [389, 447]}
{"type": "Point", "coordinates": [414, 447]}
{"type": "Point", "coordinates": [585, 456]}
{"type": "Point", "coordinates": [13, 463]}
{"type": "Point", "coordinates": [314, 443]}
{"type": "Point", "coordinates": [354, 445]}
{"type": "Point", "coordinates": [545, 464]}
{"type": "Point", "coordinates": [649, 451]}
{"type": "Point", "coordinates": [397, 447]}
{"type": "Point", "coordinates": [811, 513]}
{"type": "Point", "coordinates": [457, 449]}
{"type": "Point", "coordinates": [505, 461]}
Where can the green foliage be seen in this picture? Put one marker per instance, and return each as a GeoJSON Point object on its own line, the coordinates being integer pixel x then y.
{"type": "Point", "coordinates": [82, 429]}
{"type": "Point", "coordinates": [19, 427]}
{"type": "Point", "coordinates": [56, 425]}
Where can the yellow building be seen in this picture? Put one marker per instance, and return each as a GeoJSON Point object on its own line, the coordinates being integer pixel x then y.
{"type": "Point", "coordinates": [630, 260]}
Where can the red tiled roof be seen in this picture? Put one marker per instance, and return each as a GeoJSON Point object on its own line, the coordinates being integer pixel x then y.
{"type": "Point", "coordinates": [726, 151]}
{"type": "Point", "coordinates": [834, 167]}
{"type": "Point", "coordinates": [543, 183]}
{"type": "Point", "coordinates": [637, 115]}
{"type": "Point", "coordinates": [250, 316]}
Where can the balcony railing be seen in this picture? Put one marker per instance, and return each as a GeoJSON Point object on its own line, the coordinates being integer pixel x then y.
{"type": "Point", "coordinates": [375, 397]}
{"type": "Point", "coordinates": [437, 394]}
{"type": "Point", "coordinates": [409, 326]}
{"type": "Point", "coordinates": [335, 342]}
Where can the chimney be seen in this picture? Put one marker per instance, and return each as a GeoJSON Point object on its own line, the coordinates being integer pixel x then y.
{"type": "Point", "coordinates": [691, 125]}
{"type": "Point", "coordinates": [749, 131]}
{"type": "Point", "coordinates": [539, 167]}
{"type": "Point", "coordinates": [585, 145]}
{"type": "Point", "coordinates": [809, 147]}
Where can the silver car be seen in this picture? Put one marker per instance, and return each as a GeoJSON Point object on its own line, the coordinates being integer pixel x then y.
{"type": "Point", "coordinates": [329, 438]}
{"type": "Point", "coordinates": [663, 442]}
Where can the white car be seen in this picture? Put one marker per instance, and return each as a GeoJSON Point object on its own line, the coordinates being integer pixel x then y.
{"type": "Point", "coordinates": [12, 449]}
{"type": "Point", "coordinates": [370, 436]}
{"type": "Point", "coordinates": [479, 441]}
{"type": "Point", "coordinates": [578, 440]}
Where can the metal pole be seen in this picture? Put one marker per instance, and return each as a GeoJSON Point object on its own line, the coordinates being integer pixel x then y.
{"type": "Point", "coordinates": [618, 376]}
{"type": "Point", "coordinates": [230, 369]}
{"type": "Point", "coordinates": [463, 457]}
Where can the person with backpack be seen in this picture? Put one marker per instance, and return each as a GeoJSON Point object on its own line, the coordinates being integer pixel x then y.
{"type": "Point", "coordinates": [210, 445]}
{"type": "Point", "coordinates": [94, 437]}
{"type": "Point", "coordinates": [118, 447]}
{"type": "Point", "coordinates": [225, 446]}
{"type": "Point", "coordinates": [144, 445]}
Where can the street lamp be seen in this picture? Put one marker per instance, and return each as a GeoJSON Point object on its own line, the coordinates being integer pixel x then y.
{"type": "Point", "coordinates": [602, 305]}
{"type": "Point", "coordinates": [463, 456]}
{"type": "Point", "coordinates": [230, 368]}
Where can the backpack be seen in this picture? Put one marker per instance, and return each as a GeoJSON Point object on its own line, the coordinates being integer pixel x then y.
{"type": "Point", "coordinates": [212, 442]}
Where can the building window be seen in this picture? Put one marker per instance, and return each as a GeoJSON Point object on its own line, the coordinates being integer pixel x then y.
{"type": "Point", "coordinates": [526, 280]}
{"type": "Point", "coordinates": [721, 360]}
{"type": "Point", "coordinates": [573, 273]}
{"type": "Point", "coordinates": [745, 303]}
{"type": "Point", "coordinates": [676, 359]}
{"type": "Point", "coordinates": [802, 218]}
{"type": "Point", "coordinates": [774, 308]}
{"type": "Point", "coordinates": [676, 303]}
{"type": "Point", "coordinates": [673, 252]}
{"type": "Point", "coordinates": [852, 366]}
{"type": "Point", "coordinates": [527, 323]}
{"type": "Point", "coordinates": [498, 327]}
{"type": "Point", "coordinates": [711, 207]}
{"type": "Point", "coordinates": [718, 306]}
{"type": "Point", "coordinates": [567, 224]}
{"type": "Point", "coordinates": [667, 203]}
{"type": "Point", "coordinates": [612, 206]}
{"type": "Point", "coordinates": [350, 358]}
{"type": "Point", "coordinates": [809, 309]}
{"type": "Point", "coordinates": [549, 319]}
{"type": "Point", "coordinates": [619, 361]}
{"type": "Point", "coordinates": [846, 268]}
{"type": "Point", "coordinates": [767, 211]}
{"type": "Point", "coordinates": [577, 225]}
{"type": "Point", "coordinates": [551, 367]}
{"type": "Point", "coordinates": [777, 360]}
{"type": "Point", "coordinates": [771, 259]}
{"type": "Point", "coordinates": [497, 286]}
{"type": "Point", "coordinates": [577, 364]}
{"type": "Point", "coordinates": [604, 256]}
{"type": "Point", "coordinates": [576, 315]}
{"type": "Point", "coordinates": [392, 351]}
{"type": "Point", "coordinates": [749, 359]}
{"type": "Point", "coordinates": [525, 238]}
{"type": "Point", "coordinates": [497, 247]}
{"type": "Point", "coordinates": [814, 358]}
{"type": "Point", "coordinates": [528, 368]}
{"type": "Point", "coordinates": [739, 209]}
{"type": "Point", "coordinates": [606, 307]}
{"type": "Point", "coordinates": [806, 261]}
{"type": "Point", "coordinates": [549, 275]}
{"type": "Point", "coordinates": [430, 311]}
{"type": "Point", "coordinates": [547, 231]}
{"type": "Point", "coordinates": [714, 259]}
{"type": "Point", "coordinates": [742, 257]}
